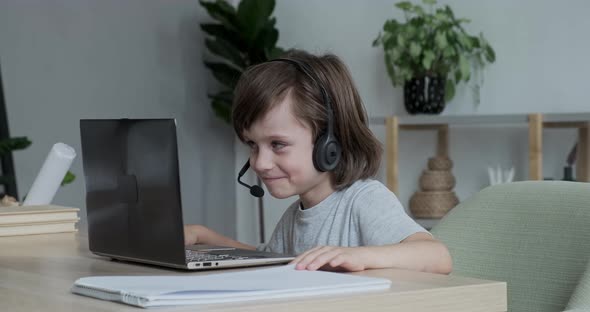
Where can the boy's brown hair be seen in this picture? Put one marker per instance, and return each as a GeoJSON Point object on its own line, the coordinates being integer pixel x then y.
{"type": "Point", "coordinates": [265, 85]}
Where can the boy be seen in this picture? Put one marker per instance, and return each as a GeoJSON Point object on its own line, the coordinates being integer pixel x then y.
{"type": "Point", "coordinates": [307, 130]}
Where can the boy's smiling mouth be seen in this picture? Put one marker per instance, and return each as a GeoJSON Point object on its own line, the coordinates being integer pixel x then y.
{"type": "Point", "coordinates": [271, 179]}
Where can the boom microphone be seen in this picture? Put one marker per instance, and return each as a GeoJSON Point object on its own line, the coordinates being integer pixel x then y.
{"type": "Point", "coordinates": [255, 190]}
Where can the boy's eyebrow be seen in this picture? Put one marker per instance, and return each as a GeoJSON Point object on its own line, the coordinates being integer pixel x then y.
{"type": "Point", "coordinates": [279, 136]}
{"type": "Point", "coordinates": [270, 137]}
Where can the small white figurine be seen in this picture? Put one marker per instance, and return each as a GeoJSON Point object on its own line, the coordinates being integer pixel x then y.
{"type": "Point", "coordinates": [498, 176]}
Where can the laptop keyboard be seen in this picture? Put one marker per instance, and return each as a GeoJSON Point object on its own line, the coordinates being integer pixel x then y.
{"type": "Point", "coordinates": [193, 255]}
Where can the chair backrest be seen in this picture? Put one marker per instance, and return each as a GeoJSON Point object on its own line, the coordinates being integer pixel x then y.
{"type": "Point", "coordinates": [580, 300]}
{"type": "Point", "coordinates": [534, 235]}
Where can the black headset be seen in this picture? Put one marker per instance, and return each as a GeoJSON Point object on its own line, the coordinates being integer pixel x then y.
{"type": "Point", "coordinates": [327, 150]}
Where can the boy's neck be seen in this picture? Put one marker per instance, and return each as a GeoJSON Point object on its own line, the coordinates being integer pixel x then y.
{"type": "Point", "coordinates": [316, 195]}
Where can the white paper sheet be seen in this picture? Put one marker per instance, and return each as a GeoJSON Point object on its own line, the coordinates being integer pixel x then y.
{"type": "Point", "coordinates": [279, 282]}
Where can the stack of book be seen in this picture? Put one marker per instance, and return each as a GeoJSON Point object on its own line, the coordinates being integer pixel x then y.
{"type": "Point", "coordinates": [27, 220]}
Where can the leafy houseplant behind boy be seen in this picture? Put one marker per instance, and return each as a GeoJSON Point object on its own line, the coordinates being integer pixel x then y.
{"type": "Point", "coordinates": [430, 53]}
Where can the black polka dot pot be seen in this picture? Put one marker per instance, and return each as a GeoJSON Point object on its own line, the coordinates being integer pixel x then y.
{"type": "Point", "coordinates": [425, 95]}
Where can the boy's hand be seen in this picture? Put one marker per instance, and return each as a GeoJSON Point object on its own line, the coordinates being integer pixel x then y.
{"type": "Point", "coordinates": [198, 234]}
{"type": "Point", "coordinates": [193, 234]}
{"type": "Point", "coordinates": [332, 259]}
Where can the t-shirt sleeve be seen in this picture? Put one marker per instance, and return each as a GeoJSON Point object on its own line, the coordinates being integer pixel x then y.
{"type": "Point", "coordinates": [381, 217]}
{"type": "Point", "coordinates": [280, 238]}
{"type": "Point", "coordinates": [276, 241]}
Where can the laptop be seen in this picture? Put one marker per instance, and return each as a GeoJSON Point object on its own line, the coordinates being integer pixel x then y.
{"type": "Point", "coordinates": [133, 201]}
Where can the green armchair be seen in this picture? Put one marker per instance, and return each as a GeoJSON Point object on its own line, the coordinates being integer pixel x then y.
{"type": "Point", "coordinates": [535, 235]}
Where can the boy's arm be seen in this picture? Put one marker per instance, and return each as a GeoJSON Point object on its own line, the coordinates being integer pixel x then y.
{"type": "Point", "coordinates": [419, 252]}
{"type": "Point", "coordinates": [198, 234]}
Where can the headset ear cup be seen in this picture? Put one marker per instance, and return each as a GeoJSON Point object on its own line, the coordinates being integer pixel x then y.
{"type": "Point", "coordinates": [333, 153]}
{"type": "Point", "coordinates": [326, 153]}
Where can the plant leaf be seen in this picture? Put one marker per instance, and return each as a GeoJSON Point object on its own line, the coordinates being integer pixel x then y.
{"type": "Point", "coordinates": [275, 53]}
{"type": "Point", "coordinates": [12, 144]}
{"type": "Point", "coordinates": [224, 73]}
{"type": "Point", "coordinates": [449, 12]}
{"type": "Point", "coordinates": [465, 42]}
{"type": "Point", "coordinates": [391, 26]}
{"type": "Point", "coordinates": [418, 10]}
{"type": "Point", "coordinates": [377, 40]}
{"type": "Point", "coordinates": [253, 15]}
{"type": "Point", "coordinates": [404, 5]}
{"type": "Point", "coordinates": [441, 40]}
{"type": "Point", "coordinates": [429, 2]}
{"type": "Point", "coordinates": [479, 60]}
{"type": "Point", "coordinates": [268, 36]}
{"type": "Point", "coordinates": [228, 35]}
{"type": "Point", "coordinates": [226, 96]}
{"type": "Point", "coordinates": [464, 67]}
{"type": "Point", "coordinates": [475, 42]}
{"type": "Point", "coordinates": [427, 59]}
{"type": "Point", "coordinates": [395, 55]}
{"type": "Point", "coordinates": [449, 90]}
{"type": "Point", "coordinates": [221, 48]}
{"type": "Point", "coordinates": [411, 29]}
{"type": "Point", "coordinates": [441, 16]}
{"type": "Point", "coordinates": [448, 52]}
{"type": "Point", "coordinates": [490, 54]}
{"type": "Point", "coordinates": [68, 178]}
{"type": "Point", "coordinates": [401, 41]}
{"type": "Point", "coordinates": [388, 41]}
{"type": "Point", "coordinates": [415, 49]}
{"type": "Point", "coordinates": [223, 12]}
{"type": "Point", "coordinates": [389, 66]}
{"type": "Point", "coordinates": [222, 109]}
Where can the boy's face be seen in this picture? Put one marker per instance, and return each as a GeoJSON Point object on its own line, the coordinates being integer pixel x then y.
{"type": "Point", "coordinates": [281, 149]}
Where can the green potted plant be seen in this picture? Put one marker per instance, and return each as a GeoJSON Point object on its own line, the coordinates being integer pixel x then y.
{"type": "Point", "coordinates": [7, 145]}
{"type": "Point", "coordinates": [430, 53]}
{"type": "Point", "coordinates": [241, 37]}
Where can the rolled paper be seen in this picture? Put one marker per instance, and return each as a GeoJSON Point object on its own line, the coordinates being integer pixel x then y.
{"type": "Point", "coordinates": [51, 175]}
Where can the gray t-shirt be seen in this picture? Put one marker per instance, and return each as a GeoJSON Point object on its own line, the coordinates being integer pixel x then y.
{"type": "Point", "coordinates": [365, 214]}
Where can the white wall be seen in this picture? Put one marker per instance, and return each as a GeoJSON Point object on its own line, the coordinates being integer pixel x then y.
{"type": "Point", "coordinates": [541, 66]}
{"type": "Point", "coordinates": [65, 60]}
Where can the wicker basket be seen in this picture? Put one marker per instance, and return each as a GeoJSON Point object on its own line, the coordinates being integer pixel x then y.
{"type": "Point", "coordinates": [440, 163]}
{"type": "Point", "coordinates": [436, 180]}
{"type": "Point", "coordinates": [432, 204]}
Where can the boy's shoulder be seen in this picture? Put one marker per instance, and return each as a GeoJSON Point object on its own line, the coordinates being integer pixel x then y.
{"type": "Point", "coordinates": [370, 191]}
{"type": "Point", "coordinates": [367, 186]}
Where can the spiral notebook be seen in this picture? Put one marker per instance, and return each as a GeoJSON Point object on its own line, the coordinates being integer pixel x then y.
{"type": "Point", "coordinates": [268, 283]}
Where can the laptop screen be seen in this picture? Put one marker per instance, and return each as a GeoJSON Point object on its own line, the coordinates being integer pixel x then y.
{"type": "Point", "coordinates": [133, 200]}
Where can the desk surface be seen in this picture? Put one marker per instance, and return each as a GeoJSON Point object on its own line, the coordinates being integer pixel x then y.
{"type": "Point", "coordinates": [37, 272]}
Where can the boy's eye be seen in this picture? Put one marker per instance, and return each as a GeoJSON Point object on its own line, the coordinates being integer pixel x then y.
{"type": "Point", "coordinates": [277, 145]}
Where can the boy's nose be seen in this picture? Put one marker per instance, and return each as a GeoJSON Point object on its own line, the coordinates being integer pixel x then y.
{"type": "Point", "coordinates": [262, 161]}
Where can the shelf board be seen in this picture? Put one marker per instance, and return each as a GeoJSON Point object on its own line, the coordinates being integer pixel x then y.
{"type": "Point", "coordinates": [479, 120]}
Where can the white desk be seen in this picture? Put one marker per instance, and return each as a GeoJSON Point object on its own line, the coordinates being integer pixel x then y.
{"type": "Point", "coordinates": [37, 272]}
